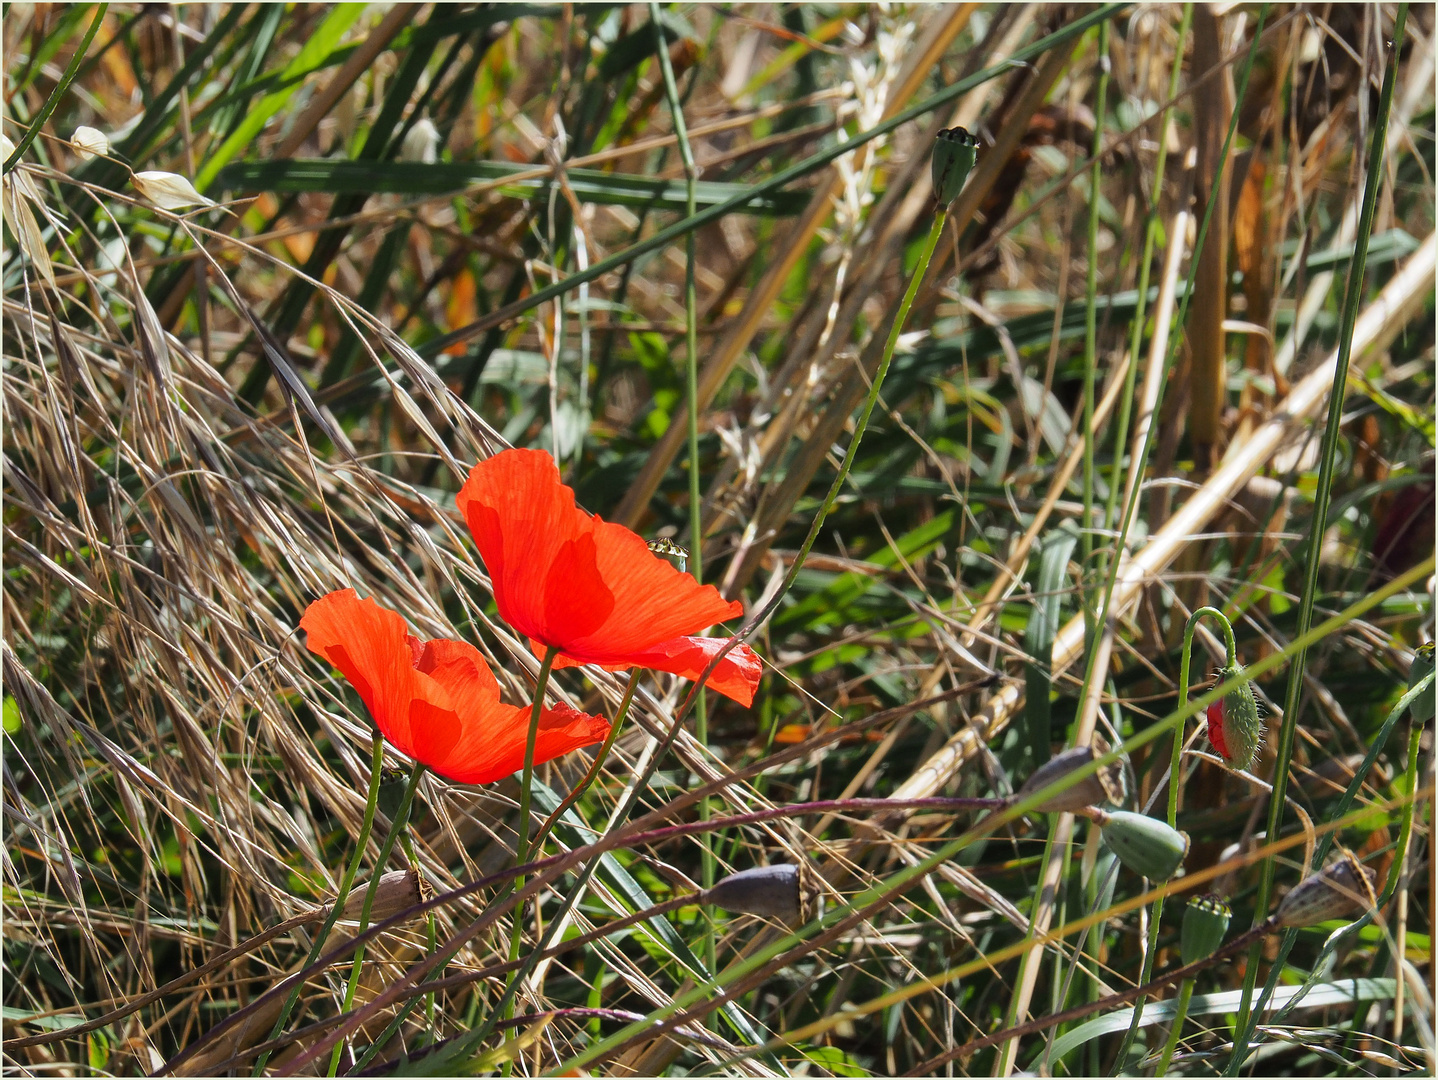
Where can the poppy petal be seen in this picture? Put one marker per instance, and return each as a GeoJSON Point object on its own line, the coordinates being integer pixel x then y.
{"type": "Point", "coordinates": [370, 647]}
{"type": "Point", "coordinates": [626, 600]}
{"type": "Point", "coordinates": [736, 677]}
{"type": "Point", "coordinates": [436, 701]}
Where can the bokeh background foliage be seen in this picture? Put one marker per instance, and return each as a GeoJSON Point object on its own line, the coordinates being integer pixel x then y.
{"type": "Point", "coordinates": [452, 228]}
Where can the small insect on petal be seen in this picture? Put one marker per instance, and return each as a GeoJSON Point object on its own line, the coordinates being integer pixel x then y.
{"type": "Point", "coordinates": [169, 191]}
{"type": "Point", "coordinates": [955, 152]}
{"type": "Point", "coordinates": [1233, 722]}
{"type": "Point", "coordinates": [89, 142]}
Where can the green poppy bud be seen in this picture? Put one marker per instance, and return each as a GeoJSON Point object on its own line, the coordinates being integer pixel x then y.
{"type": "Point", "coordinates": [1145, 845]}
{"type": "Point", "coordinates": [1233, 724]}
{"type": "Point", "coordinates": [1205, 922]}
{"type": "Point", "coordinates": [1106, 785]}
{"type": "Point", "coordinates": [955, 151]}
{"type": "Point", "coordinates": [1340, 889]}
{"type": "Point", "coordinates": [776, 892]}
{"type": "Point", "coordinates": [1422, 707]}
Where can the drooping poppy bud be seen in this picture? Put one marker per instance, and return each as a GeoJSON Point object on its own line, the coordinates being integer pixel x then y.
{"type": "Point", "coordinates": [1233, 724]}
{"type": "Point", "coordinates": [776, 892]}
{"type": "Point", "coordinates": [955, 152]}
{"type": "Point", "coordinates": [1144, 844]}
{"type": "Point", "coordinates": [1340, 889]}
{"type": "Point", "coordinates": [1205, 922]}
{"type": "Point", "coordinates": [398, 890]}
{"type": "Point", "coordinates": [1422, 707]}
{"type": "Point", "coordinates": [1106, 785]}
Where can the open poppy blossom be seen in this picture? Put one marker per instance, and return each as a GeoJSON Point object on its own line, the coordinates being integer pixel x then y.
{"type": "Point", "coordinates": [569, 580]}
{"type": "Point", "coordinates": [436, 701]}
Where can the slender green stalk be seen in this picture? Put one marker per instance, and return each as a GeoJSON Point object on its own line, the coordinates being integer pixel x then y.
{"type": "Point", "coordinates": [1150, 241]}
{"type": "Point", "coordinates": [1322, 498]}
{"type": "Point", "coordinates": [599, 759]}
{"type": "Point", "coordinates": [1185, 994]}
{"type": "Point", "coordinates": [691, 376]}
{"type": "Point", "coordinates": [1090, 352]}
{"type": "Point", "coordinates": [397, 828]}
{"type": "Point", "coordinates": [526, 784]}
{"type": "Point", "coordinates": [1175, 774]}
{"type": "Point", "coordinates": [58, 94]}
{"type": "Point", "coordinates": [431, 931]}
{"type": "Point", "coordinates": [346, 882]}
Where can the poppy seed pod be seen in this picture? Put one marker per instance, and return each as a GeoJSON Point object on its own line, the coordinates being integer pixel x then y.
{"type": "Point", "coordinates": [398, 890]}
{"type": "Point", "coordinates": [955, 151]}
{"type": "Point", "coordinates": [1106, 785]}
{"type": "Point", "coordinates": [1421, 708]}
{"type": "Point", "coordinates": [1340, 889]}
{"type": "Point", "coordinates": [1233, 725]}
{"type": "Point", "coordinates": [1205, 922]}
{"type": "Point", "coordinates": [776, 892]}
{"type": "Point", "coordinates": [1145, 845]}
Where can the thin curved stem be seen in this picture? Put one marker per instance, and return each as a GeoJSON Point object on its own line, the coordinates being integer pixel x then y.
{"type": "Point", "coordinates": [398, 826]}
{"type": "Point", "coordinates": [361, 842]}
{"type": "Point", "coordinates": [1175, 773]}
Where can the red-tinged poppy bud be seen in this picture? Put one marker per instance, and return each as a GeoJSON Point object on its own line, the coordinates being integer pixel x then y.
{"type": "Point", "coordinates": [1340, 889]}
{"type": "Point", "coordinates": [1145, 845]}
{"type": "Point", "coordinates": [1205, 922]}
{"type": "Point", "coordinates": [955, 152]}
{"type": "Point", "coordinates": [780, 892]}
{"type": "Point", "coordinates": [1233, 724]}
{"type": "Point", "coordinates": [1421, 708]}
{"type": "Point", "coordinates": [1106, 785]}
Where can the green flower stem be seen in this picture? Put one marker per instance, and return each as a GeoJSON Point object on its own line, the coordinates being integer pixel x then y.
{"type": "Point", "coordinates": [431, 929]}
{"type": "Point", "coordinates": [1090, 353]}
{"type": "Point", "coordinates": [346, 882]}
{"type": "Point", "coordinates": [691, 374]}
{"type": "Point", "coordinates": [58, 94]}
{"type": "Point", "coordinates": [1322, 498]}
{"type": "Point", "coordinates": [1174, 775]}
{"type": "Point", "coordinates": [526, 784]}
{"type": "Point", "coordinates": [1150, 241]}
{"type": "Point", "coordinates": [397, 828]}
{"type": "Point", "coordinates": [599, 759]}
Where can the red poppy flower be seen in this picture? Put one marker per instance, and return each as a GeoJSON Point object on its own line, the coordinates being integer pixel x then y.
{"type": "Point", "coordinates": [436, 701]}
{"type": "Point", "coordinates": [589, 587]}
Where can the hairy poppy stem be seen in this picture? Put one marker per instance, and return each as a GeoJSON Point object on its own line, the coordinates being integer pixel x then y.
{"type": "Point", "coordinates": [361, 842]}
{"type": "Point", "coordinates": [599, 759]}
{"type": "Point", "coordinates": [1175, 773]}
{"type": "Point", "coordinates": [521, 846]}
{"type": "Point", "coordinates": [398, 826]}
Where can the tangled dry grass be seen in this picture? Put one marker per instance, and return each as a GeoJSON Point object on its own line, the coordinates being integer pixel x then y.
{"type": "Point", "coordinates": [452, 229]}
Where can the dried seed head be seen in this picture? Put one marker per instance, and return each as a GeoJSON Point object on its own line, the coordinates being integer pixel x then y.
{"type": "Point", "coordinates": [1145, 845]}
{"type": "Point", "coordinates": [955, 151]}
{"type": "Point", "coordinates": [89, 142]}
{"type": "Point", "coordinates": [398, 890]}
{"type": "Point", "coordinates": [782, 891]}
{"type": "Point", "coordinates": [1205, 922]}
{"type": "Point", "coordinates": [1233, 723]}
{"type": "Point", "coordinates": [1421, 707]}
{"type": "Point", "coordinates": [1340, 889]}
{"type": "Point", "coordinates": [169, 191]}
{"type": "Point", "coordinates": [1106, 785]}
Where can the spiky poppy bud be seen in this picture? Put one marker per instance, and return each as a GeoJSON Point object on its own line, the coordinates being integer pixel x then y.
{"type": "Point", "coordinates": [1421, 708]}
{"type": "Point", "coordinates": [1205, 922]}
{"type": "Point", "coordinates": [955, 152]}
{"type": "Point", "coordinates": [1106, 785]}
{"type": "Point", "coordinates": [1340, 889]}
{"type": "Point", "coordinates": [780, 891]}
{"type": "Point", "coordinates": [1233, 725]}
{"type": "Point", "coordinates": [1145, 845]}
